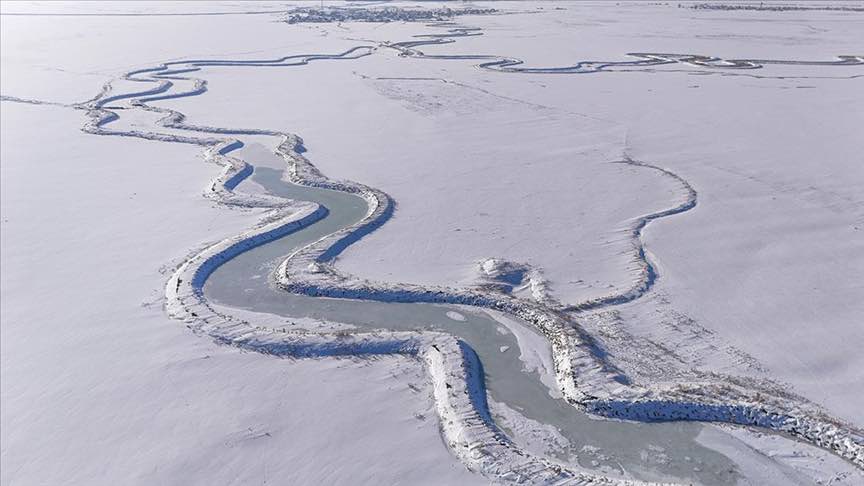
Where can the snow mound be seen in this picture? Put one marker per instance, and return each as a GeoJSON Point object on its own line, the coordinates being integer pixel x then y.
{"type": "Point", "coordinates": [513, 278]}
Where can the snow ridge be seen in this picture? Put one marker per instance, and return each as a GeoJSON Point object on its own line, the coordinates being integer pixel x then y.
{"type": "Point", "coordinates": [647, 271]}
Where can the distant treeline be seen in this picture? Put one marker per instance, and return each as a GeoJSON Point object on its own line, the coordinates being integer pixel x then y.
{"type": "Point", "coordinates": [772, 7]}
{"type": "Point", "coordinates": [386, 14]}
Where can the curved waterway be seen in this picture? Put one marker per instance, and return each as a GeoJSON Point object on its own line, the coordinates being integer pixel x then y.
{"type": "Point", "coordinates": [641, 450]}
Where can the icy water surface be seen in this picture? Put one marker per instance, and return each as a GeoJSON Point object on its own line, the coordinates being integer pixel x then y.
{"type": "Point", "coordinates": [645, 451]}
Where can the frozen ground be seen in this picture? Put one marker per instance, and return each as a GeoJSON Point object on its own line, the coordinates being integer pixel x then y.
{"type": "Point", "coordinates": [99, 386]}
{"type": "Point", "coordinates": [93, 368]}
{"type": "Point", "coordinates": [517, 167]}
{"type": "Point", "coordinates": [481, 164]}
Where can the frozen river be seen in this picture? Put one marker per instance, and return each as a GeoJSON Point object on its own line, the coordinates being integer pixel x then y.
{"type": "Point", "coordinates": [245, 282]}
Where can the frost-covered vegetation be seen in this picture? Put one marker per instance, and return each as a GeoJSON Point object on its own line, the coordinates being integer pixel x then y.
{"type": "Point", "coordinates": [776, 7]}
{"type": "Point", "coordinates": [379, 14]}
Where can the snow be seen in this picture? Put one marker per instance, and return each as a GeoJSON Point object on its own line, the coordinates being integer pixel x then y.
{"type": "Point", "coordinates": [781, 462]}
{"type": "Point", "coordinates": [492, 173]}
{"type": "Point", "coordinates": [768, 260]}
{"type": "Point", "coordinates": [99, 385]}
{"type": "Point", "coordinates": [95, 370]}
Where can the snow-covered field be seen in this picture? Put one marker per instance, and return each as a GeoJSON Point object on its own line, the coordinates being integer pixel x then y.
{"type": "Point", "coordinates": [519, 187]}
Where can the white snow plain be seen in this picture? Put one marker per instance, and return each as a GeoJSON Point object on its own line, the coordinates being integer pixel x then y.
{"type": "Point", "coordinates": [93, 368]}
{"type": "Point", "coordinates": [99, 386]}
{"type": "Point", "coordinates": [516, 166]}
{"type": "Point", "coordinates": [481, 164]}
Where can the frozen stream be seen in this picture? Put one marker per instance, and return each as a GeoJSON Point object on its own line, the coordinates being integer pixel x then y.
{"type": "Point", "coordinates": [645, 451]}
